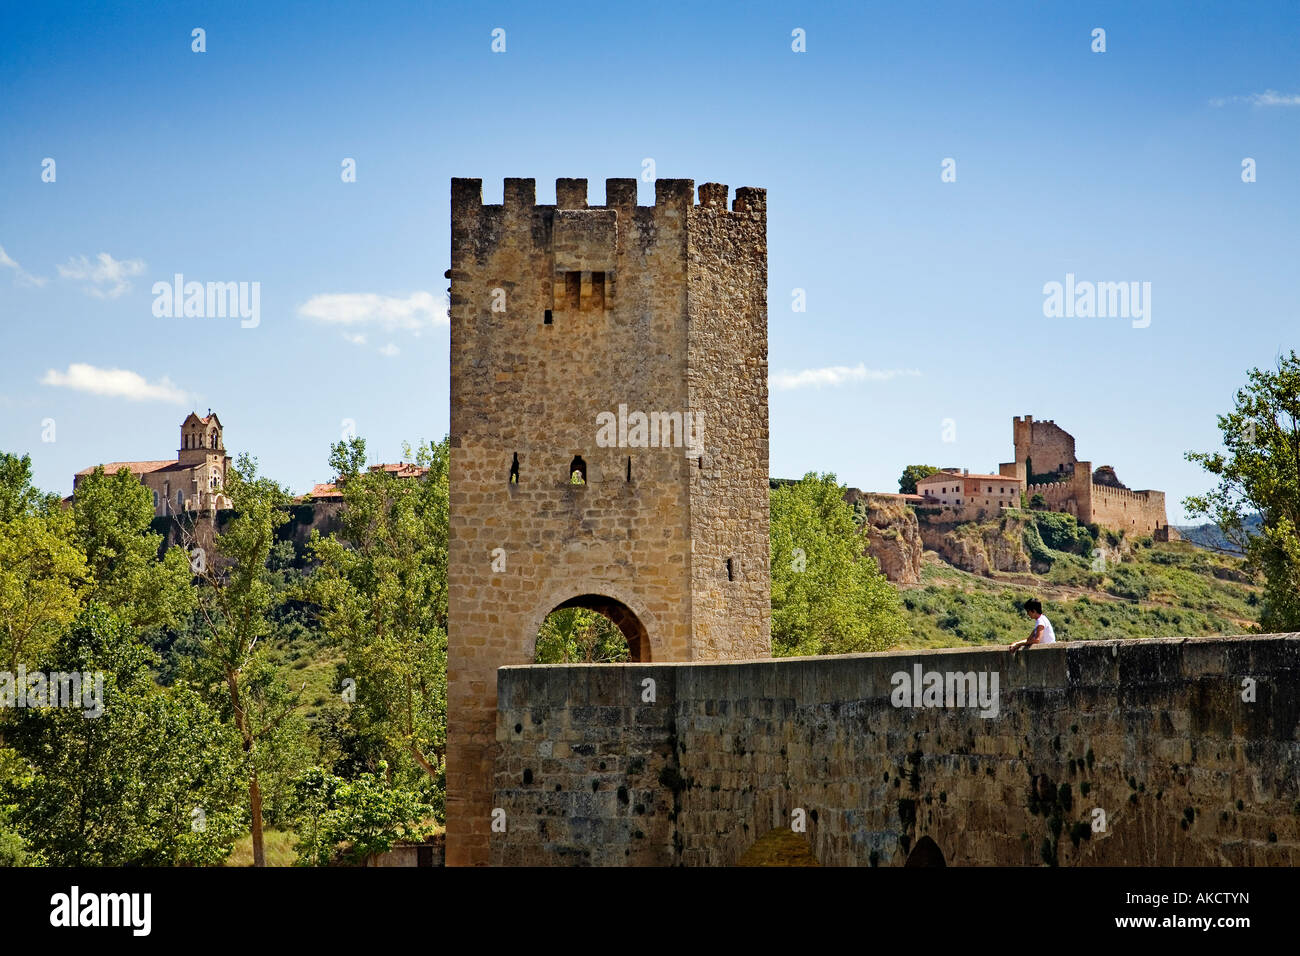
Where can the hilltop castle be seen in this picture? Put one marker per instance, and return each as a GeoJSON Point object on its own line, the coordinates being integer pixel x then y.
{"type": "Point", "coordinates": [192, 481]}
{"type": "Point", "coordinates": [1046, 465]}
{"type": "Point", "coordinates": [560, 316]}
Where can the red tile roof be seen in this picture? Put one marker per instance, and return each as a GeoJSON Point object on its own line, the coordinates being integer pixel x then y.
{"type": "Point", "coordinates": [402, 469]}
{"type": "Point", "coordinates": [135, 467]}
{"type": "Point", "coordinates": [951, 475]}
{"type": "Point", "coordinates": [326, 490]}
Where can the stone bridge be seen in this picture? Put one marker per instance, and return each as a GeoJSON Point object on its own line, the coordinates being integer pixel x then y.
{"type": "Point", "coordinates": [1179, 751]}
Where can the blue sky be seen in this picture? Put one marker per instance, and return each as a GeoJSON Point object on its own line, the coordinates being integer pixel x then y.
{"type": "Point", "coordinates": [924, 298]}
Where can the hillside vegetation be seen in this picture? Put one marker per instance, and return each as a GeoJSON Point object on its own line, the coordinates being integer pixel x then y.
{"type": "Point", "coordinates": [1092, 588]}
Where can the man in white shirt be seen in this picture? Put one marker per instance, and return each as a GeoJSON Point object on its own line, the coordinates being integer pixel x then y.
{"type": "Point", "coordinates": [1043, 632]}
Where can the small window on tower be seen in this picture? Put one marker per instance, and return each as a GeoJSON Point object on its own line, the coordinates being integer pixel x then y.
{"type": "Point", "coordinates": [546, 317]}
{"type": "Point", "coordinates": [598, 290]}
{"type": "Point", "coordinates": [577, 471]}
{"type": "Point", "coordinates": [731, 573]}
{"type": "Point", "coordinates": [573, 290]}
{"type": "Point", "coordinates": [514, 470]}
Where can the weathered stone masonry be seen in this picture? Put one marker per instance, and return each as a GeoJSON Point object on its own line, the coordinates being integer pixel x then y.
{"type": "Point", "coordinates": [560, 313]}
{"type": "Point", "coordinates": [1155, 733]}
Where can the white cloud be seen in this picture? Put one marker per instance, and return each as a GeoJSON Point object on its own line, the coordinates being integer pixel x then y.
{"type": "Point", "coordinates": [415, 313]}
{"type": "Point", "coordinates": [389, 350]}
{"type": "Point", "coordinates": [1267, 98]}
{"type": "Point", "coordinates": [108, 277]}
{"type": "Point", "coordinates": [837, 375]}
{"type": "Point", "coordinates": [115, 383]}
{"type": "Point", "coordinates": [21, 275]}
{"type": "Point", "coordinates": [358, 339]}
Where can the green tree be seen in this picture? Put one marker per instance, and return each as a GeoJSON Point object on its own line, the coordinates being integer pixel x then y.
{"type": "Point", "coordinates": [41, 575]}
{"type": "Point", "coordinates": [142, 776]}
{"type": "Point", "coordinates": [381, 586]}
{"type": "Point", "coordinates": [18, 496]}
{"type": "Point", "coordinates": [351, 820]}
{"type": "Point", "coordinates": [112, 516]}
{"type": "Point", "coordinates": [1259, 474]}
{"type": "Point", "coordinates": [911, 475]}
{"type": "Point", "coordinates": [235, 603]}
{"type": "Point", "coordinates": [41, 569]}
{"type": "Point", "coordinates": [575, 635]}
{"type": "Point", "coordinates": [828, 595]}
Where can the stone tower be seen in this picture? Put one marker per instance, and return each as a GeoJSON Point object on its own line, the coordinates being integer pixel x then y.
{"type": "Point", "coordinates": [203, 448]}
{"type": "Point", "coordinates": [609, 442]}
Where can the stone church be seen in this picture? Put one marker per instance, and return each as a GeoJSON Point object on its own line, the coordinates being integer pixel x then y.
{"type": "Point", "coordinates": [193, 480]}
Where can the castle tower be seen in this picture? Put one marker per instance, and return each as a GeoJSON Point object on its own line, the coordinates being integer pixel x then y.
{"type": "Point", "coordinates": [623, 347]}
{"type": "Point", "coordinates": [1048, 446]}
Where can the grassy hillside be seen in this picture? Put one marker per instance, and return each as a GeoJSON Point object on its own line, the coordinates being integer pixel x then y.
{"type": "Point", "coordinates": [1148, 590]}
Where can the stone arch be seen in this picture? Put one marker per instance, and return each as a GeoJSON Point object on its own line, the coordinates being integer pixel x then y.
{"type": "Point", "coordinates": [925, 853]}
{"type": "Point", "coordinates": [779, 846]}
{"type": "Point", "coordinates": [626, 613]}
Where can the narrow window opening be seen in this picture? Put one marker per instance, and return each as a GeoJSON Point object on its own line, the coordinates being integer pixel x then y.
{"type": "Point", "coordinates": [629, 468]}
{"type": "Point", "coordinates": [546, 317]}
{"type": "Point", "coordinates": [730, 571]}
{"type": "Point", "coordinates": [577, 471]}
{"type": "Point", "coordinates": [514, 470]}
{"type": "Point", "coordinates": [598, 290]}
{"type": "Point", "coordinates": [573, 290]}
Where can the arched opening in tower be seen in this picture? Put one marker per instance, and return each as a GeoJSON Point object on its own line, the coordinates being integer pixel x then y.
{"type": "Point", "coordinates": [925, 853]}
{"type": "Point", "coordinates": [591, 629]}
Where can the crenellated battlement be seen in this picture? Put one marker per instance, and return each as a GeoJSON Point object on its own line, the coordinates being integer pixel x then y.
{"type": "Point", "coordinates": [671, 195]}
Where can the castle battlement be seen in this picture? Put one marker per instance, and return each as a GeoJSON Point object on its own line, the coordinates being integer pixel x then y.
{"type": "Point", "coordinates": [671, 195]}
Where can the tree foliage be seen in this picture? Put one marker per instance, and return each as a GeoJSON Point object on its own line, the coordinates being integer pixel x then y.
{"type": "Point", "coordinates": [911, 475]}
{"type": "Point", "coordinates": [349, 821]}
{"type": "Point", "coordinates": [1259, 474]}
{"type": "Point", "coordinates": [149, 781]}
{"type": "Point", "coordinates": [828, 594]}
{"type": "Point", "coordinates": [112, 515]}
{"type": "Point", "coordinates": [235, 602]}
{"type": "Point", "coordinates": [381, 587]}
{"type": "Point", "coordinates": [574, 635]}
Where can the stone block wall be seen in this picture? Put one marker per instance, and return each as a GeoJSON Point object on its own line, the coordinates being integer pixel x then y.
{"type": "Point", "coordinates": [1152, 752]}
{"type": "Point", "coordinates": [1135, 512]}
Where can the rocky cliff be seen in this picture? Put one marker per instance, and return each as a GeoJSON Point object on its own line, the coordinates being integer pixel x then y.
{"type": "Point", "coordinates": [979, 548]}
{"type": "Point", "coordinates": [893, 535]}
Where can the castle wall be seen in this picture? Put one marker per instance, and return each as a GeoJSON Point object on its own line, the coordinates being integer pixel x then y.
{"type": "Point", "coordinates": [1153, 733]}
{"type": "Point", "coordinates": [1058, 496]}
{"type": "Point", "coordinates": [647, 315]}
{"type": "Point", "coordinates": [1136, 512]}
